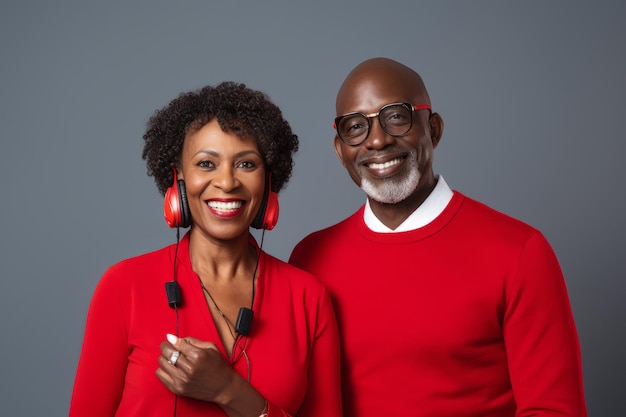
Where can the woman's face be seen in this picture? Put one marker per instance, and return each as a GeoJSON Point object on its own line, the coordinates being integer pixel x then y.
{"type": "Point", "coordinates": [224, 177]}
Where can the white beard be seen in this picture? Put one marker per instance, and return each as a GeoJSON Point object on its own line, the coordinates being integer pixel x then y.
{"type": "Point", "coordinates": [395, 190]}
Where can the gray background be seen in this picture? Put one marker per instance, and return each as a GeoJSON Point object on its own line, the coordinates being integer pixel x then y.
{"type": "Point", "coordinates": [532, 94]}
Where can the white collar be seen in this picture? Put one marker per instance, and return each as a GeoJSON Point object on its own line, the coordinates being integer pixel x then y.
{"type": "Point", "coordinates": [428, 211]}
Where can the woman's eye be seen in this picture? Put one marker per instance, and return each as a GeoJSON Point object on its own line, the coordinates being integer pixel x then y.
{"type": "Point", "coordinates": [206, 164]}
{"type": "Point", "coordinates": [246, 164]}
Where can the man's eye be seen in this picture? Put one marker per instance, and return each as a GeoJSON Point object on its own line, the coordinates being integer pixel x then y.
{"type": "Point", "coordinates": [356, 126]}
{"type": "Point", "coordinates": [397, 116]}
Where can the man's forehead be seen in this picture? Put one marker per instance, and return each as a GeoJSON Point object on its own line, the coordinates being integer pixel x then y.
{"type": "Point", "coordinates": [368, 95]}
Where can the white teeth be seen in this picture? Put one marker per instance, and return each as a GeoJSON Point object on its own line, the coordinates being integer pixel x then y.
{"type": "Point", "coordinates": [386, 164]}
{"type": "Point", "coordinates": [225, 206]}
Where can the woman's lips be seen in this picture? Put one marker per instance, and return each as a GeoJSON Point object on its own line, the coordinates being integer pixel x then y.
{"type": "Point", "coordinates": [225, 208]}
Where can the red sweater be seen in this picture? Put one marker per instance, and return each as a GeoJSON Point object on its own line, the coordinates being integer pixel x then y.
{"type": "Point", "coordinates": [292, 347]}
{"type": "Point", "coordinates": [466, 316]}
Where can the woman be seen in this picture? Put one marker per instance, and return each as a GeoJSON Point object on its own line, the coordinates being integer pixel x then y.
{"type": "Point", "coordinates": [229, 329]}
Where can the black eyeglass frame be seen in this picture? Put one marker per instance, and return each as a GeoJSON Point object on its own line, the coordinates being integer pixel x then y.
{"type": "Point", "coordinates": [369, 117]}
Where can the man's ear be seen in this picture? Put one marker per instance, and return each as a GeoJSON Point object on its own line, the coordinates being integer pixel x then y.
{"type": "Point", "coordinates": [338, 150]}
{"type": "Point", "coordinates": [435, 123]}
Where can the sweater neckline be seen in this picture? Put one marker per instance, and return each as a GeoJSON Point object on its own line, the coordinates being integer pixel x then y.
{"type": "Point", "coordinates": [411, 235]}
{"type": "Point", "coordinates": [191, 288]}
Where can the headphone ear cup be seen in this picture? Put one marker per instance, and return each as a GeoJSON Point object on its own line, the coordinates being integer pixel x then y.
{"type": "Point", "coordinates": [175, 206]}
{"type": "Point", "coordinates": [185, 214]}
{"type": "Point", "coordinates": [267, 217]}
{"type": "Point", "coordinates": [171, 207]}
{"type": "Point", "coordinates": [271, 211]}
{"type": "Point", "coordinates": [257, 223]}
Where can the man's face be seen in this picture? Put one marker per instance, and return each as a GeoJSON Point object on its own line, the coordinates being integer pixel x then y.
{"type": "Point", "coordinates": [390, 169]}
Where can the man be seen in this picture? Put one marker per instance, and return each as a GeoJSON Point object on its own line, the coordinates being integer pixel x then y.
{"type": "Point", "coordinates": [446, 307]}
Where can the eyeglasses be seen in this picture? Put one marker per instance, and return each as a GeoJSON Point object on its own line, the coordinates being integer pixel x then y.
{"type": "Point", "coordinates": [396, 119]}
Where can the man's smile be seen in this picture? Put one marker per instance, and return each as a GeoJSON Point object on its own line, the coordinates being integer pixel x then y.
{"type": "Point", "coordinates": [375, 165]}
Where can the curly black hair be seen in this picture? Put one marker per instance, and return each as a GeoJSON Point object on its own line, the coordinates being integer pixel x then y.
{"type": "Point", "coordinates": [238, 109]}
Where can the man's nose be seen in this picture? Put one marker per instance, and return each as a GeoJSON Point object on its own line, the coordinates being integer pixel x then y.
{"type": "Point", "coordinates": [377, 138]}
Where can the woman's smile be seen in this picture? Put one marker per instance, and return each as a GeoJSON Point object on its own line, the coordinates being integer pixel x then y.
{"type": "Point", "coordinates": [225, 207]}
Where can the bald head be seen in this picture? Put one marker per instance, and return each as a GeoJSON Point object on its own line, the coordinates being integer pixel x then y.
{"type": "Point", "coordinates": [379, 80]}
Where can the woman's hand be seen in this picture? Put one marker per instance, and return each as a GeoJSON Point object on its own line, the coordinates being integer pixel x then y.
{"type": "Point", "coordinates": [201, 372]}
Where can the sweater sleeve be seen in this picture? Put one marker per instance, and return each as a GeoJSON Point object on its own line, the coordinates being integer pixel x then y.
{"type": "Point", "coordinates": [104, 356]}
{"type": "Point", "coordinates": [540, 336]}
{"type": "Point", "coordinates": [323, 395]}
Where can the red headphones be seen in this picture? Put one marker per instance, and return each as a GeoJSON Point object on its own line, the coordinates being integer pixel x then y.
{"type": "Point", "coordinates": [177, 214]}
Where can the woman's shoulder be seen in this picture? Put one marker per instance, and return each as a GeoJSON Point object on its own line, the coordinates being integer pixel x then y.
{"type": "Point", "coordinates": [144, 264]}
{"type": "Point", "coordinates": [157, 255]}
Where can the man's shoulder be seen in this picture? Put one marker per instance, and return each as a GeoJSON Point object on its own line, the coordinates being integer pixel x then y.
{"type": "Point", "coordinates": [488, 218]}
{"type": "Point", "coordinates": [323, 238]}
{"type": "Point", "coordinates": [337, 228]}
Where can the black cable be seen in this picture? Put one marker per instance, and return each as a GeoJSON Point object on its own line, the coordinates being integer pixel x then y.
{"type": "Point", "coordinates": [256, 267]}
{"type": "Point", "coordinates": [176, 306]}
{"type": "Point", "coordinates": [175, 276]}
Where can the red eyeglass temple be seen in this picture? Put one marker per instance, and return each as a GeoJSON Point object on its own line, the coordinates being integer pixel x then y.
{"type": "Point", "coordinates": [422, 107]}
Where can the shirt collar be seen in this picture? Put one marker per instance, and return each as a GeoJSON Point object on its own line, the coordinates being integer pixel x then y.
{"type": "Point", "coordinates": [428, 211]}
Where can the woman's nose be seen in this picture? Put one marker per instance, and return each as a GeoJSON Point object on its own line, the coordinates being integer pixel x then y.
{"type": "Point", "coordinates": [225, 179]}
